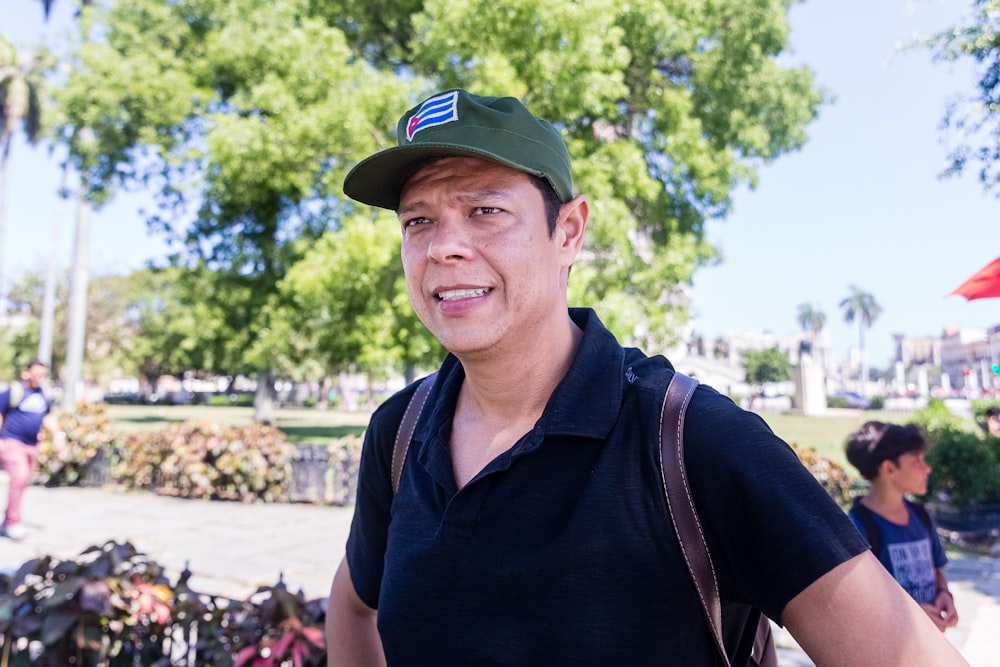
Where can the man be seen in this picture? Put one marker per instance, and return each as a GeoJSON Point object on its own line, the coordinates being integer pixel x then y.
{"type": "Point", "coordinates": [24, 410]}
{"type": "Point", "coordinates": [902, 534]}
{"type": "Point", "coordinates": [529, 526]}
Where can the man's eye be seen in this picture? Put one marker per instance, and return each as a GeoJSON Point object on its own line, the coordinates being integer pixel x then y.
{"type": "Point", "coordinates": [413, 222]}
{"type": "Point", "coordinates": [488, 210]}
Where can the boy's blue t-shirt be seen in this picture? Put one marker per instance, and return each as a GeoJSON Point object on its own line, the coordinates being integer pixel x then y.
{"type": "Point", "coordinates": [909, 553]}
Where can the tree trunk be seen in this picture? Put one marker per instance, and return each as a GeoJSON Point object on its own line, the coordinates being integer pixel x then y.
{"type": "Point", "coordinates": [263, 400]}
{"type": "Point", "coordinates": [47, 332]}
{"type": "Point", "coordinates": [324, 393]}
{"type": "Point", "coordinates": [864, 360]}
{"type": "Point", "coordinates": [77, 321]}
{"type": "Point", "coordinates": [4, 159]}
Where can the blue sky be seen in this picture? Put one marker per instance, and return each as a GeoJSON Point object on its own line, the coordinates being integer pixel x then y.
{"type": "Point", "coordinates": [860, 204]}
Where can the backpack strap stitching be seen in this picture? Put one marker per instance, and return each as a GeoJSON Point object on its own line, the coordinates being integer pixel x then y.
{"type": "Point", "coordinates": [681, 507]}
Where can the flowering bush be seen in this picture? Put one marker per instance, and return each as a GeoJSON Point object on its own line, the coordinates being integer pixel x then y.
{"type": "Point", "coordinates": [199, 459]}
{"type": "Point", "coordinates": [113, 607]}
{"type": "Point", "coordinates": [89, 433]}
{"type": "Point", "coordinates": [202, 459]}
{"type": "Point", "coordinates": [829, 474]}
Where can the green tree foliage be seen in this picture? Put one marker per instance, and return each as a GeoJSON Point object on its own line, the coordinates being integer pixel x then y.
{"type": "Point", "coordinates": [22, 104]}
{"type": "Point", "coordinates": [763, 366]}
{"type": "Point", "coordinates": [249, 111]}
{"type": "Point", "coordinates": [666, 106]}
{"type": "Point", "coordinates": [770, 365]}
{"type": "Point", "coordinates": [972, 121]}
{"type": "Point", "coordinates": [346, 300]}
{"type": "Point", "coordinates": [245, 115]}
{"type": "Point", "coordinates": [173, 329]}
{"type": "Point", "coordinates": [965, 465]}
{"type": "Point", "coordinates": [111, 329]}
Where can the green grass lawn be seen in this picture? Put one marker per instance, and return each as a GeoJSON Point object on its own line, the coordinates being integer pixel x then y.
{"type": "Point", "coordinates": [826, 434]}
{"type": "Point", "coordinates": [305, 425]}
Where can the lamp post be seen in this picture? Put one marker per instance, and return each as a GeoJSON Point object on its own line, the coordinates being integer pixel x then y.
{"type": "Point", "coordinates": [994, 366]}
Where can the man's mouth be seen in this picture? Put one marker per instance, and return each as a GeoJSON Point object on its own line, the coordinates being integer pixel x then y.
{"type": "Point", "coordinates": [453, 294]}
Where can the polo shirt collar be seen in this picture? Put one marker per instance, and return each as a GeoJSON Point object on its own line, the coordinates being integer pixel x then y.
{"type": "Point", "coordinates": [585, 403]}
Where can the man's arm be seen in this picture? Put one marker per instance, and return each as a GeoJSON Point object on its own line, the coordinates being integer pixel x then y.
{"type": "Point", "coordinates": [856, 614]}
{"type": "Point", "coordinates": [51, 424]}
{"type": "Point", "coordinates": [351, 633]}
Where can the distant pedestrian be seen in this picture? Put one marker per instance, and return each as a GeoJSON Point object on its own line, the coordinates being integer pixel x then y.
{"type": "Point", "coordinates": [992, 423]}
{"type": "Point", "coordinates": [902, 533]}
{"type": "Point", "coordinates": [24, 411]}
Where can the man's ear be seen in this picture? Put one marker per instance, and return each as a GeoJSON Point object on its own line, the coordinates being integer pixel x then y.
{"type": "Point", "coordinates": [571, 225]}
{"type": "Point", "coordinates": [887, 466]}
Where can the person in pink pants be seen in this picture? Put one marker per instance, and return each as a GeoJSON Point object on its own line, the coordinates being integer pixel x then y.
{"type": "Point", "coordinates": [24, 411]}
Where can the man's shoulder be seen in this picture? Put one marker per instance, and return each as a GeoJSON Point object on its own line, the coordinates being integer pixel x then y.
{"type": "Point", "coordinates": [13, 392]}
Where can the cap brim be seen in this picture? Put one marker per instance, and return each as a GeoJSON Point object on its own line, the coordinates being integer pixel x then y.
{"type": "Point", "coordinates": [378, 180]}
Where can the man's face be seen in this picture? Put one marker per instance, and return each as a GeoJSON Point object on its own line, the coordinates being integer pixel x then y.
{"type": "Point", "coordinates": [34, 376]}
{"type": "Point", "coordinates": [993, 425]}
{"type": "Point", "coordinates": [481, 268]}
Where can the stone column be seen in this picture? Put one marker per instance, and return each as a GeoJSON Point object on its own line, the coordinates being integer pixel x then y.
{"type": "Point", "coordinates": [810, 386]}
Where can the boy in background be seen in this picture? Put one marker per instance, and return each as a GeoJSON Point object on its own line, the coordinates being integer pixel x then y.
{"type": "Point", "coordinates": [902, 534]}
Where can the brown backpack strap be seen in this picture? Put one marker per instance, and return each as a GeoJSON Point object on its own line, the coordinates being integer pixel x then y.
{"type": "Point", "coordinates": [680, 504]}
{"type": "Point", "coordinates": [404, 435]}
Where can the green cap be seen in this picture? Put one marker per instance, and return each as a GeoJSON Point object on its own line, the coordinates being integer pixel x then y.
{"type": "Point", "coordinates": [458, 123]}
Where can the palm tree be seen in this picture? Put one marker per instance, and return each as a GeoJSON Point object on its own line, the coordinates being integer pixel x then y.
{"type": "Point", "coordinates": [47, 6]}
{"type": "Point", "coordinates": [861, 305]}
{"type": "Point", "coordinates": [21, 80]}
{"type": "Point", "coordinates": [811, 319]}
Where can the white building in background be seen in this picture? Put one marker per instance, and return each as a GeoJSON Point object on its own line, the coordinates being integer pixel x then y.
{"type": "Point", "coordinates": [719, 362]}
{"type": "Point", "coordinates": [968, 357]}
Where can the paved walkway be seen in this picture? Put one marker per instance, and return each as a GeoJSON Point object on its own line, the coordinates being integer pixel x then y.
{"type": "Point", "coordinates": [233, 548]}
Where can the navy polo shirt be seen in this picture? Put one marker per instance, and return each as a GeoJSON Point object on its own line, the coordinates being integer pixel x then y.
{"type": "Point", "coordinates": [560, 551]}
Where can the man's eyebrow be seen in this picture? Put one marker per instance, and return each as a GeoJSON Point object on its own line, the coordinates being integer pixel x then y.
{"type": "Point", "coordinates": [475, 197]}
{"type": "Point", "coordinates": [483, 195]}
{"type": "Point", "coordinates": [403, 210]}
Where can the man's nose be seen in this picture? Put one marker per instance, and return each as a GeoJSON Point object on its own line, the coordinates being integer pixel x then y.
{"type": "Point", "coordinates": [450, 239]}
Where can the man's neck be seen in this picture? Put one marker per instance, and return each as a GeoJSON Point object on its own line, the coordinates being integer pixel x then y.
{"type": "Point", "coordinates": [520, 381]}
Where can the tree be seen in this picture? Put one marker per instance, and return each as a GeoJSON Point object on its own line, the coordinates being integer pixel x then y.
{"type": "Point", "coordinates": [225, 108]}
{"type": "Point", "coordinates": [666, 108]}
{"type": "Point", "coordinates": [114, 331]}
{"type": "Point", "coordinates": [811, 319]}
{"type": "Point", "coordinates": [229, 109]}
{"type": "Point", "coordinates": [762, 366]}
{"type": "Point", "coordinates": [861, 306]}
{"type": "Point", "coordinates": [47, 5]}
{"type": "Point", "coordinates": [974, 119]}
{"type": "Point", "coordinates": [346, 299]}
{"type": "Point", "coordinates": [173, 327]}
{"type": "Point", "coordinates": [21, 105]}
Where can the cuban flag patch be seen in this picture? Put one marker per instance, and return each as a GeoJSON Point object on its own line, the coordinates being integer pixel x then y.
{"type": "Point", "coordinates": [435, 111]}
